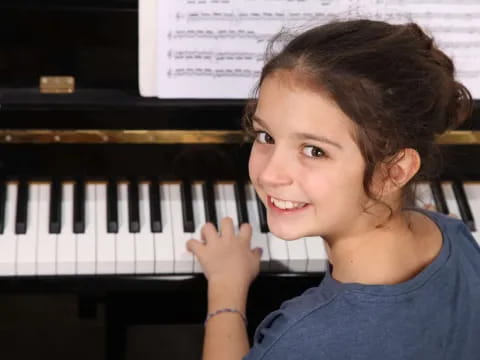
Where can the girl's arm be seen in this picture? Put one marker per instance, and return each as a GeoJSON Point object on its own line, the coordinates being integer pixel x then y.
{"type": "Point", "coordinates": [229, 266]}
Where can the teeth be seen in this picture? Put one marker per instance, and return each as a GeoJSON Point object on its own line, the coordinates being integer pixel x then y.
{"type": "Point", "coordinates": [282, 204]}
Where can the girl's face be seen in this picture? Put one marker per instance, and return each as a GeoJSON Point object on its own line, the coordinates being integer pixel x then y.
{"type": "Point", "coordinates": [304, 164]}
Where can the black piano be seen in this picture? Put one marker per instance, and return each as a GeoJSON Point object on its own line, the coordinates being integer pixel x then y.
{"type": "Point", "coordinates": [101, 187]}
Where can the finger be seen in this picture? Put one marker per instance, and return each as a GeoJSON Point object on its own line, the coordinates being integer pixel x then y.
{"type": "Point", "coordinates": [226, 227]}
{"type": "Point", "coordinates": [245, 232]}
{"type": "Point", "coordinates": [194, 246]}
{"type": "Point", "coordinates": [209, 232]}
{"type": "Point", "coordinates": [258, 253]}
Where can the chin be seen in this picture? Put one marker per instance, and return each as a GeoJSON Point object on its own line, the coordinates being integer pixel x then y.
{"type": "Point", "coordinates": [286, 235]}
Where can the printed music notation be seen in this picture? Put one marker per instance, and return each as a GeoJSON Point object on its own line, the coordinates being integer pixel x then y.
{"type": "Point", "coordinates": [224, 41]}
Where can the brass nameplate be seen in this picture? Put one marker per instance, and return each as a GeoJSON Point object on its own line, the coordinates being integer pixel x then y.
{"type": "Point", "coordinates": [57, 84]}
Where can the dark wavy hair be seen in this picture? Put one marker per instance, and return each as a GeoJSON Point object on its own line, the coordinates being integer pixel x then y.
{"type": "Point", "coordinates": [391, 80]}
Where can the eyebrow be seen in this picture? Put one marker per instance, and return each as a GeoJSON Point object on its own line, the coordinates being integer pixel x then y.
{"type": "Point", "coordinates": [302, 136]}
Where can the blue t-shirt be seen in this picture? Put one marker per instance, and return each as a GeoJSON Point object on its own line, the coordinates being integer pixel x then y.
{"type": "Point", "coordinates": [435, 315]}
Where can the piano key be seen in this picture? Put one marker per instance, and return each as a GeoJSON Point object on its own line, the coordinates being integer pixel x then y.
{"type": "Point", "coordinates": [112, 210]}
{"type": "Point", "coordinates": [22, 208]}
{"type": "Point", "coordinates": [259, 239]}
{"type": "Point", "coordinates": [297, 255]}
{"type": "Point", "coordinates": [199, 216]}
{"type": "Point", "coordinates": [133, 211]}
{"type": "Point", "coordinates": [463, 206]}
{"type": "Point", "coordinates": [79, 207]}
{"type": "Point", "coordinates": [209, 201]}
{"type": "Point", "coordinates": [279, 260]}
{"type": "Point", "coordinates": [316, 253]}
{"type": "Point", "coordinates": [241, 202]}
{"type": "Point", "coordinates": [3, 190]}
{"type": "Point", "coordinates": [262, 216]}
{"type": "Point", "coordinates": [219, 201]}
{"type": "Point", "coordinates": [472, 192]}
{"type": "Point", "coordinates": [183, 259]}
{"type": "Point", "coordinates": [105, 251]}
{"type": "Point", "coordinates": [155, 208]}
{"type": "Point", "coordinates": [187, 207]}
{"type": "Point", "coordinates": [67, 240]}
{"type": "Point", "coordinates": [424, 197]}
{"type": "Point", "coordinates": [227, 192]}
{"type": "Point", "coordinates": [55, 208]}
{"type": "Point", "coordinates": [164, 240]}
{"type": "Point", "coordinates": [87, 241]}
{"type": "Point", "coordinates": [144, 238]}
{"type": "Point", "coordinates": [125, 240]}
{"type": "Point", "coordinates": [27, 241]}
{"type": "Point", "coordinates": [439, 197]}
{"type": "Point", "coordinates": [47, 241]}
{"type": "Point", "coordinates": [8, 240]}
{"type": "Point", "coordinates": [450, 200]}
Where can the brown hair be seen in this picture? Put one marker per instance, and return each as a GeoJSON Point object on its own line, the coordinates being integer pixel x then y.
{"type": "Point", "coordinates": [391, 80]}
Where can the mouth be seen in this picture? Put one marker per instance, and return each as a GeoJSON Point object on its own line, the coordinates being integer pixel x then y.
{"type": "Point", "coordinates": [285, 206]}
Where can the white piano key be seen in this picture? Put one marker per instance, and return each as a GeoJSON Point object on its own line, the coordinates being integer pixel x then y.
{"type": "Point", "coordinates": [297, 255]}
{"type": "Point", "coordinates": [450, 199]}
{"type": "Point", "coordinates": [317, 255]}
{"type": "Point", "coordinates": [87, 241]}
{"type": "Point", "coordinates": [183, 258]}
{"type": "Point", "coordinates": [229, 203]}
{"type": "Point", "coordinates": [259, 239]}
{"type": "Point", "coordinates": [219, 204]}
{"type": "Point", "coordinates": [66, 240]}
{"type": "Point", "coordinates": [125, 241]}
{"type": "Point", "coordinates": [199, 216]}
{"type": "Point", "coordinates": [8, 240]}
{"type": "Point", "coordinates": [105, 241]}
{"type": "Point", "coordinates": [424, 197]}
{"type": "Point", "coordinates": [27, 243]}
{"type": "Point", "coordinates": [278, 253]}
{"type": "Point", "coordinates": [472, 191]}
{"type": "Point", "coordinates": [164, 241]}
{"type": "Point", "coordinates": [144, 239]}
{"type": "Point", "coordinates": [46, 242]}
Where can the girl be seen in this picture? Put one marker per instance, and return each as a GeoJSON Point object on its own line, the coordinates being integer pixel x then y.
{"type": "Point", "coordinates": [344, 124]}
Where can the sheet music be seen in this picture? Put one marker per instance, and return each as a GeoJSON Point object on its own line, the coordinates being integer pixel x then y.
{"type": "Point", "coordinates": [215, 48]}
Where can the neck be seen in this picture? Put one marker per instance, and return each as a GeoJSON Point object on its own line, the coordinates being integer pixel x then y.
{"type": "Point", "coordinates": [394, 253]}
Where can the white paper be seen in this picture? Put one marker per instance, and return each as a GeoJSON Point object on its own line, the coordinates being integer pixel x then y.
{"type": "Point", "coordinates": [216, 48]}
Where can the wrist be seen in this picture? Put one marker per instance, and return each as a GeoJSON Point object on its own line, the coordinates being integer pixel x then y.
{"type": "Point", "coordinates": [226, 295]}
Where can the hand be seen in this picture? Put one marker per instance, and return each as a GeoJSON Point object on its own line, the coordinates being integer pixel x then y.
{"type": "Point", "coordinates": [226, 257]}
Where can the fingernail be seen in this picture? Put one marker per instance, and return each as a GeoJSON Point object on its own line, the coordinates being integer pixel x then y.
{"type": "Point", "coordinates": [260, 250]}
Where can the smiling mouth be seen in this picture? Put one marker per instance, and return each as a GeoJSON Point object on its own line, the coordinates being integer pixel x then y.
{"type": "Point", "coordinates": [286, 204]}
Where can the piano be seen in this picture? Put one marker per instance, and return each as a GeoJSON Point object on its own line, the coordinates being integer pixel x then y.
{"type": "Point", "coordinates": [101, 188]}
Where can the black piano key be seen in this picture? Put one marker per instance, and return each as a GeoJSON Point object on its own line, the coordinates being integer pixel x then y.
{"type": "Point", "coordinates": [55, 218]}
{"type": "Point", "coordinates": [463, 206]}
{"type": "Point", "coordinates": [241, 202]}
{"type": "Point", "coordinates": [3, 201]}
{"type": "Point", "coordinates": [262, 216]}
{"type": "Point", "coordinates": [133, 207]}
{"type": "Point", "coordinates": [112, 207]}
{"type": "Point", "coordinates": [22, 207]}
{"type": "Point", "coordinates": [155, 208]}
{"type": "Point", "coordinates": [187, 207]}
{"type": "Point", "coordinates": [79, 207]}
{"type": "Point", "coordinates": [209, 203]}
{"type": "Point", "coordinates": [439, 197]}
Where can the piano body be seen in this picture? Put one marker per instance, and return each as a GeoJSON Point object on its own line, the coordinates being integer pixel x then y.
{"type": "Point", "coordinates": [102, 187]}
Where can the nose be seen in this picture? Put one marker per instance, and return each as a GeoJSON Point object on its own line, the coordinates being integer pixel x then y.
{"type": "Point", "coordinates": [276, 171]}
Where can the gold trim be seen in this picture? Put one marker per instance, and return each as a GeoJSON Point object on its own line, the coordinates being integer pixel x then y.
{"type": "Point", "coordinates": [35, 136]}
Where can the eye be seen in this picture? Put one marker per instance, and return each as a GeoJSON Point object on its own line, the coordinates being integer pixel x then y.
{"type": "Point", "coordinates": [313, 151]}
{"type": "Point", "coordinates": [263, 138]}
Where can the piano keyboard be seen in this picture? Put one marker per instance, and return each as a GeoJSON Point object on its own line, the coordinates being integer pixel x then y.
{"type": "Point", "coordinates": [77, 228]}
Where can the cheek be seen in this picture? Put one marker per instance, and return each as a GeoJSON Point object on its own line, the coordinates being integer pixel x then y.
{"type": "Point", "coordinates": [255, 163]}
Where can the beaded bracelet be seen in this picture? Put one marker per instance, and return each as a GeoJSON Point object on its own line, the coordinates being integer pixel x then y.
{"type": "Point", "coordinates": [224, 310]}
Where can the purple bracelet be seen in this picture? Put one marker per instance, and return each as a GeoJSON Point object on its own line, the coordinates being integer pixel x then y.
{"type": "Point", "coordinates": [224, 310]}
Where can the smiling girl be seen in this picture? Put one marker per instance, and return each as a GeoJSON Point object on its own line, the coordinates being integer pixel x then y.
{"type": "Point", "coordinates": [345, 123]}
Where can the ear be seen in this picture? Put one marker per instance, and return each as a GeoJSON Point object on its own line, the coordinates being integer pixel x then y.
{"type": "Point", "coordinates": [397, 172]}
